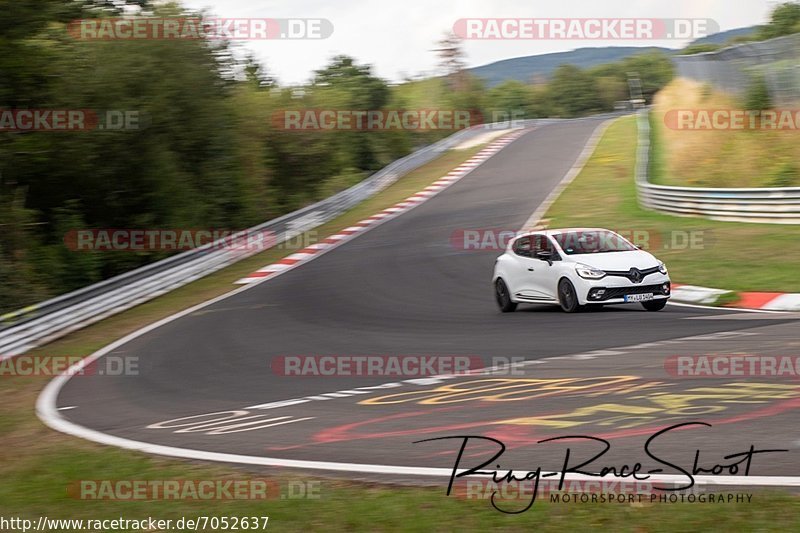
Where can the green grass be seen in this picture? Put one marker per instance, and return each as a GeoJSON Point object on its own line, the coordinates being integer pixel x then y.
{"type": "Point", "coordinates": [718, 158]}
{"type": "Point", "coordinates": [38, 465]}
{"type": "Point", "coordinates": [727, 255]}
{"type": "Point", "coordinates": [38, 488]}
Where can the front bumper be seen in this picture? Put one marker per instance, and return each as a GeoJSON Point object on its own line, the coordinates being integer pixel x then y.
{"type": "Point", "coordinates": [613, 291]}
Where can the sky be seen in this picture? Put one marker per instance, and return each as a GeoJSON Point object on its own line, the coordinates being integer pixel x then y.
{"type": "Point", "coordinates": [397, 37]}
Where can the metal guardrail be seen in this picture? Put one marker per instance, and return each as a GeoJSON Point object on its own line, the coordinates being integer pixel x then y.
{"type": "Point", "coordinates": [41, 323]}
{"type": "Point", "coordinates": [777, 205]}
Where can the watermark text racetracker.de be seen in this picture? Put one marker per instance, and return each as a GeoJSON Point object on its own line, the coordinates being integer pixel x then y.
{"type": "Point", "coordinates": [193, 28]}
{"type": "Point", "coordinates": [77, 120]}
{"type": "Point", "coordinates": [375, 119]}
{"type": "Point", "coordinates": [55, 364]}
{"type": "Point", "coordinates": [498, 239]}
{"type": "Point", "coordinates": [733, 119]}
{"type": "Point", "coordinates": [182, 239]}
{"type": "Point", "coordinates": [392, 366]}
{"type": "Point", "coordinates": [733, 365]}
{"type": "Point", "coordinates": [602, 29]}
{"type": "Point", "coordinates": [193, 489]}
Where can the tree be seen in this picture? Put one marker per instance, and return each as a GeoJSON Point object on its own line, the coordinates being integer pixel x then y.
{"type": "Point", "coordinates": [344, 84]}
{"type": "Point", "coordinates": [611, 89]}
{"type": "Point", "coordinates": [511, 100]}
{"type": "Point", "coordinates": [256, 74]}
{"type": "Point", "coordinates": [574, 91]}
{"type": "Point", "coordinates": [451, 60]}
{"type": "Point", "coordinates": [654, 69]}
{"type": "Point", "coordinates": [784, 20]}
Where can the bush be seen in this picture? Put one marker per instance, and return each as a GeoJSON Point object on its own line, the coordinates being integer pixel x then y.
{"type": "Point", "coordinates": [757, 96]}
{"type": "Point", "coordinates": [788, 175]}
{"type": "Point", "coordinates": [700, 48]}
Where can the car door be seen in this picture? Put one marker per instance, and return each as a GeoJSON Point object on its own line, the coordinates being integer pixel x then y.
{"type": "Point", "coordinates": [527, 286]}
{"type": "Point", "coordinates": [545, 280]}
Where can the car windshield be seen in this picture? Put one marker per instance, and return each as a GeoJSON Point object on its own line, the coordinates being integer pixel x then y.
{"type": "Point", "coordinates": [592, 242]}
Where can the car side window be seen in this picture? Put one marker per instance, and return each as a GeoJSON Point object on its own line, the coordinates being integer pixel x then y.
{"type": "Point", "coordinates": [539, 243]}
{"type": "Point", "coordinates": [542, 243]}
{"type": "Point", "coordinates": [523, 247]}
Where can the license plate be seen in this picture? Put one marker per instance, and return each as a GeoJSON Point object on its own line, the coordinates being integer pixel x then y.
{"type": "Point", "coordinates": [639, 297]}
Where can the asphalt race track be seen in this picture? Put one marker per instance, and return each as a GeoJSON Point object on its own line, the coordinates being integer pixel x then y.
{"type": "Point", "coordinates": [404, 288]}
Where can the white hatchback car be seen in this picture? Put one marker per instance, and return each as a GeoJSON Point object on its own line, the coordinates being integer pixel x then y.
{"type": "Point", "coordinates": [577, 267]}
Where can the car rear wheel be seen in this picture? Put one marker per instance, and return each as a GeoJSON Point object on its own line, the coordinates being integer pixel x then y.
{"type": "Point", "coordinates": [503, 297]}
{"type": "Point", "coordinates": [567, 296]}
{"type": "Point", "coordinates": [655, 305]}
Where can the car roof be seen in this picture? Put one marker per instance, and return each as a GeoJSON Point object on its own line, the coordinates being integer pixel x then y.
{"type": "Point", "coordinates": [559, 231]}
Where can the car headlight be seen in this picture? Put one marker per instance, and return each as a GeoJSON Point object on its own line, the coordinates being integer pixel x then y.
{"type": "Point", "coordinates": [588, 272]}
{"type": "Point", "coordinates": [662, 268]}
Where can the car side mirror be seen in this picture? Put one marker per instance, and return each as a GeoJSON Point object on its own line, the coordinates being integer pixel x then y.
{"type": "Point", "coordinates": [544, 255]}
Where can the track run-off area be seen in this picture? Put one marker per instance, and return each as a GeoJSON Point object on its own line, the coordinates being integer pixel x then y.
{"type": "Point", "coordinates": [207, 386]}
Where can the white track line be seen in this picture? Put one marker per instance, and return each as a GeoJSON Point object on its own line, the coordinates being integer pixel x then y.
{"type": "Point", "coordinates": [740, 309]}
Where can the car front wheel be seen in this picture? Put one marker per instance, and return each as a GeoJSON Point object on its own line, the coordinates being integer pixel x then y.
{"type": "Point", "coordinates": [503, 297]}
{"type": "Point", "coordinates": [567, 296]}
{"type": "Point", "coordinates": [655, 305]}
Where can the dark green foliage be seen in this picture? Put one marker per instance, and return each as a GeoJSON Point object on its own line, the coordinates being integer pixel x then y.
{"type": "Point", "coordinates": [784, 20]}
{"type": "Point", "coordinates": [205, 157]}
{"type": "Point", "coordinates": [757, 97]}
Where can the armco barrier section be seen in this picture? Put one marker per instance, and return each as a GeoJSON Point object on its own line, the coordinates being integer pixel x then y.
{"type": "Point", "coordinates": [777, 205]}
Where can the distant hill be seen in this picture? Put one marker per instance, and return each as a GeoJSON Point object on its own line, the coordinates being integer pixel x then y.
{"type": "Point", "coordinates": [526, 68]}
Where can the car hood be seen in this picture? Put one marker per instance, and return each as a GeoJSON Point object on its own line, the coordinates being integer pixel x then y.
{"type": "Point", "coordinates": [617, 260]}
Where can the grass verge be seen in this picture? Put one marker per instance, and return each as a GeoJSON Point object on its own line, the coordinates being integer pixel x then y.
{"type": "Point", "coordinates": [38, 466]}
{"type": "Point", "coordinates": [719, 157]}
{"type": "Point", "coordinates": [726, 255]}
